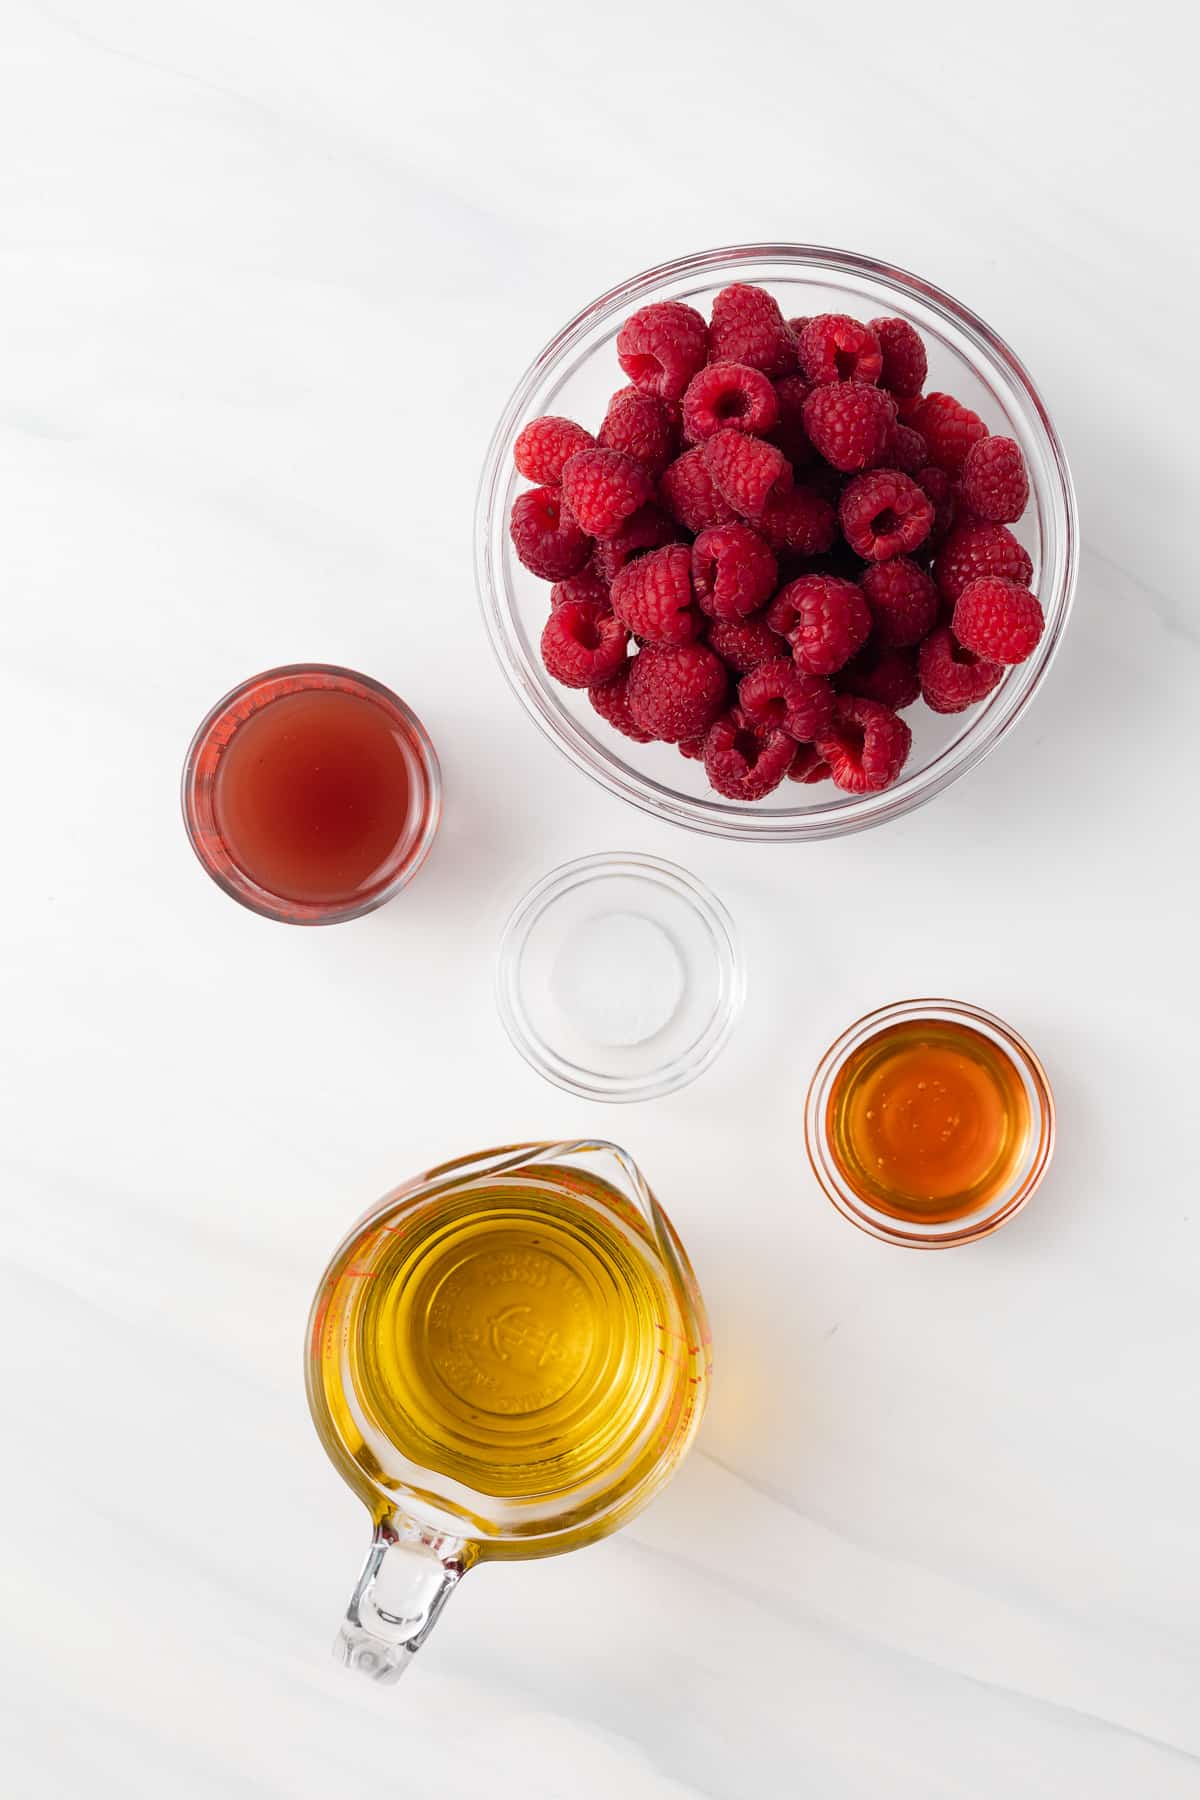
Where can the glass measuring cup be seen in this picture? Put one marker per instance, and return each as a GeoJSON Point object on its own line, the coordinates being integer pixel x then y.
{"type": "Point", "coordinates": [506, 1358]}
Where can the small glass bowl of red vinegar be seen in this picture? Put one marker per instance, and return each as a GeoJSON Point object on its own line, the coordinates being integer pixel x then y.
{"type": "Point", "coordinates": [311, 794]}
{"type": "Point", "coordinates": [929, 1123]}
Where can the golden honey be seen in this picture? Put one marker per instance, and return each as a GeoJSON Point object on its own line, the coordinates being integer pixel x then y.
{"type": "Point", "coordinates": [524, 1342]}
{"type": "Point", "coordinates": [928, 1120]}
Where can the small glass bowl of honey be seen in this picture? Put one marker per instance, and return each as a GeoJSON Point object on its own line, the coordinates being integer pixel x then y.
{"type": "Point", "coordinates": [929, 1123]}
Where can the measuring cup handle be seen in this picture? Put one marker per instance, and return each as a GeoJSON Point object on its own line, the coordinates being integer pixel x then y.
{"type": "Point", "coordinates": [407, 1578]}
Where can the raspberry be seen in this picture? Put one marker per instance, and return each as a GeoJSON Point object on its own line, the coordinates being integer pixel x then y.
{"type": "Point", "coordinates": [904, 361]}
{"type": "Point", "coordinates": [940, 488]}
{"type": "Point", "coordinates": [692, 748]}
{"type": "Point", "coordinates": [866, 746]}
{"type": "Point", "coordinates": [791, 391]}
{"type": "Point", "coordinates": [976, 548]}
{"type": "Point", "coordinates": [647, 529]}
{"type": "Point", "coordinates": [849, 423]}
{"type": "Point", "coordinates": [742, 646]}
{"type": "Point", "coordinates": [677, 691]}
{"type": "Point", "coordinates": [994, 483]}
{"type": "Point", "coordinates": [907, 405]}
{"type": "Point", "coordinates": [638, 425]}
{"type": "Point", "coordinates": [583, 643]}
{"type": "Point", "coordinates": [662, 346]}
{"type": "Point", "coordinates": [998, 620]}
{"type": "Point", "coordinates": [587, 585]}
{"type": "Point", "coordinates": [728, 394]}
{"type": "Point", "coordinates": [743, 764]}
{"type": "Point", "coordinates": [748, 327]}
{"type": "Point", "coordinates": [545, 536]}
{"type": "Point", "coordinates": [604, 488]}
{"type": "Point", "coordinates": [823, 618]}
{"type": "Point", "coordinates": [796, 326]}
{"type": "Point", "coordinates": [834, 347]}
{"type": "Point", "coordinates": [611, 700]}
{"type": "Point", "coordinates": [545, 445]}
{"type": "Point", "coordinates": [953, 678]}
{"type": "Point", "coordinates": [949, 429]}
{"type": "Point", "coordinates": [906, 450]}
{"type": "Point", "coordinates": [903, 602]}
{"type": "Point", "coordinates": [690, 496]}
{"type": "Point", "coordinates": [802, 522]}
{"type": "Point", "coordinates": [808, 765]}
{"type": "Point", "coordinates": [884, 514]}
{"type": "Point", "coordinates": [733, 570]}
{"type": "Point", "coordinates": [653, 596]}
{"type": "Point", "coordinates": [748, 473]}
{"type": "Point", "coordinates": [777, 696]}
{"type": "Point", "coordinates": [881, 673]}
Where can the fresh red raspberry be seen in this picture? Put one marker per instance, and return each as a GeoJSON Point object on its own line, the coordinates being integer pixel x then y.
{"type": "Point", "coordinates": [648, 529]}
{"type": "Point", "coordinates": [866, 747]}
{"type": "Point", "coordinates": [688, 492]}
{"type": "Point", "coordinates": [791, 391]}
{"type": "Point", "coordinates": [802, 522]}
{"type": "Point", "coordinates": [881, 673]}
{"type": "Point", "coordinates": [796, 326]}
{"type": "Point", "coordinates": [884, 514]}
{"type": "Point", "coordinates": [777, 696]}
{"type": "Point", "coordinates": [949, 429]}
{"type": "Point", "coordinates": [808, 765]}
{"type": "Point", "coordinates": [692, 748]}
{"type": "Point", "coordinates": [638, 424]}
{"type": "Point", "coordinates": [823, 618]}
{"type": "Point", "coordinates": [604, 488]}
{"type": "Point", "coordinates": [994, 483]}
{"type": "Point", "coordinates": [999, 620]}
{"type": "Point", "coordinates": [849, 423]}
{"type": "Point", "coordinates": [976, 548]}
{"type": "Point", "coordinates": [653, 596]}
{"type": "Point", "coordinates": [748, 327]}
{"type": "Point", "coordinates": [834, 347]}
{"type": "Point", "coordinates": [733, 570]}
{"type": "Point", "coordinates": [748, 473]}
{"type": "Point", "coordinates": [661, 346]}
{"type": "Point", "coordinates": [611, 701]}
{"type": "Point", "coordinates": [743, 764]}
{"type": "Point", "coordinates": [907, 406]}
{"type": "Point", "coordinates": [676, 691]}
{"type": "Point", "coordinates": [544, 446]}
{"type": "Point", "coordinates": [545, 536]}
{"type": "Point", "coordinates": [953, 678]}
{"type": "Point", "coordinates": [903, 602]}
{"type": "Point", "coordinates": [906, 450]}
{"type": "Point", "coordinates": [728, 394]}
{"type": "Point", "coordinates": [746, 643]}
{"type": "Point", "coordinates": [904, 361]}
{"type": "Point", "coordinates": [583, 643]}
{"type": "Point", "coordinates": [941, 490]}
{"type": "Point", "coordinates": [587, 585]}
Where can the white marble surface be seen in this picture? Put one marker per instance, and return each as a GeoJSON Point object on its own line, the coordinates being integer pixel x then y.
{"type": "Point", "coordinates": [267, 272]}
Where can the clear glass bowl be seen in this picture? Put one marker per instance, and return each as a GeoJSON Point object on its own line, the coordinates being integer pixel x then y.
{"type": "Point", "coordinates": [578, 371]}
{"type": "Point", "coordinates": [1030, 1167]}
{"type": "Point", "coordinates": [199, 787]}
{"type": "Point", "coordinates": [619, 977]}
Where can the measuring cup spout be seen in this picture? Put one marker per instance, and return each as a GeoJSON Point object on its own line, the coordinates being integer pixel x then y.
{"type": "Point", "coordinates": [407, 1578]}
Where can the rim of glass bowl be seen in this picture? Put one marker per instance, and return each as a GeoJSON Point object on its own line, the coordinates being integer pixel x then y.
{"type": "Point", "coordinates": [943, 1234]}
{"type": "Point", "coordinates": [964, 334]}
{"type": "Point", "coordinates": [597, 1084]}
{"type": "Point", "coordinates": [199, 774]}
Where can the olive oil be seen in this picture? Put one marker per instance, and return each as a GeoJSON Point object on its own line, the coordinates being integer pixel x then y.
{"type": "Point", "coordinates": [928, 1120]}
{"type": "Point", "coordinates": [526, 1342]}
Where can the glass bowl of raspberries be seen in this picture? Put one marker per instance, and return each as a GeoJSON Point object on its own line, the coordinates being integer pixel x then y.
{"type": "Point", "coordinates": [776, 541]}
